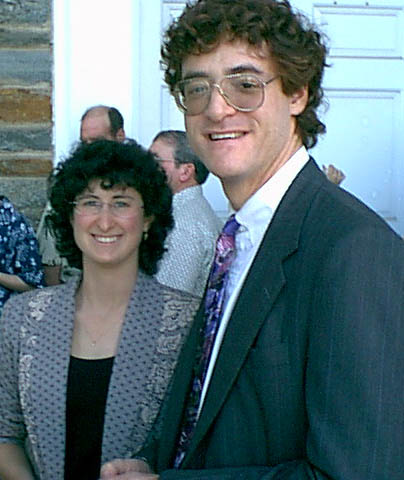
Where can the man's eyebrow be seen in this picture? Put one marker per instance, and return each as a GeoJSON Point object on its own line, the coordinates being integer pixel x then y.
{"type": "Point", "coordinates": [195, 74]}
{"type": "Point", "coordinates": [242, 68]}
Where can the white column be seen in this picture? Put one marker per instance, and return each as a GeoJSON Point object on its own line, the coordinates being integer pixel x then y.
{"type": "Point", "coordinates": [96, 60]}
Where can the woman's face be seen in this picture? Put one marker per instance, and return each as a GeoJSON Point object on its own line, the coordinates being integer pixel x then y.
{"type": "Point", "coordinates": [108, 224]}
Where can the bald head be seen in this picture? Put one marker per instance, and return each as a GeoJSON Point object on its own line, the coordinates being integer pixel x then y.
{"type": "Point", "coordinates": [101, 122]}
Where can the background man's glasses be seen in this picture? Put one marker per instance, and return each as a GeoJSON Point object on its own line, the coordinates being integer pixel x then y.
{"type": "Point", "coordinates": [123, 208]}
{"type": "Point", "coordinates": [243, 91]}
{"type": "Point", "coordinates": [163, 160]}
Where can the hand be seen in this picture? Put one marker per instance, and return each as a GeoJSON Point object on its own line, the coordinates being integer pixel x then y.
{"type": "Point", "coordinates": [333, 174]}
{"type": "Point", "coordinates": [127, 469]}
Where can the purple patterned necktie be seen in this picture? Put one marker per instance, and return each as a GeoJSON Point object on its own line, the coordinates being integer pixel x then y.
{"type": "Point", "coordinates": [215, 296]}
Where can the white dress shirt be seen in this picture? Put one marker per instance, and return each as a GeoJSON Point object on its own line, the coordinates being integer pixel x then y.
{"type": "Point", "coordinates": [254, 218]}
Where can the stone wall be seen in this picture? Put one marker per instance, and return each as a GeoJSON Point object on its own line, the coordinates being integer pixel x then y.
{"type": "Point", "coordinates": [25, 103]}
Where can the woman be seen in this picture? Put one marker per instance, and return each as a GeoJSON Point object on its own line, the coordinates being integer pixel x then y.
{"type": "Point", "coordinates": [20, 261]}
{"type": "Point", "coordinates": [84, 365]}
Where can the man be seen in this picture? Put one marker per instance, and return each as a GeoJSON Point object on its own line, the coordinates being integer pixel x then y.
{"type": "Point", "coordinates": [190, 246]}
{"type": "Point", "coordinates": [306, 376]}
{"type": "Point", "coordinates": [102, 121]}
{"type": "Point", "coordinates": [97, 122]}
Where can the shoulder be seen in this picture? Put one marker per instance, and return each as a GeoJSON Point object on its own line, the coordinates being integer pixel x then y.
{"type": "Point", "coordinates": [31, 312]}
{"type": "Point", "coordinates": [193, 213]}
{"type": "Point", "coordinates": [342, 213]}
{"type": "Point", "coordinates": [9, 211]}
{"type": "Point", "coordinates": [22, 308]}
{"type": "Point", "coordinates": [325, 207]}
{"type": "Point", "coordinates": [26, 300]}
{"type": "Point", "coordinates": [37, 298]}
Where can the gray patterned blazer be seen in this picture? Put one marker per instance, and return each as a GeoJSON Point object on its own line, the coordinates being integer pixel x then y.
{"type": "Point", "coordinates": [35, 342]}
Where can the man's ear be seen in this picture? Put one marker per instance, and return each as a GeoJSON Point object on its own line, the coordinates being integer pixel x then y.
{"type": "Point", "coordinates": [187, 172]}
{"type": "Point", "coordinates": [120, 135]}
{"type": "Point", "coordinates": [298, 100]}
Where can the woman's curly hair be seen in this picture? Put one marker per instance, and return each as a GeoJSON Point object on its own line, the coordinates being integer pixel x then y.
{"type": "Point", "coordinates": [115, 165]}
{"type": "Point", "coordinates": [294, 45]}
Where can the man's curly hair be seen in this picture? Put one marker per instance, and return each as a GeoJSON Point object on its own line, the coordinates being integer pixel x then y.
{"type": "Point", "coordinates": [114, 165]}
{"type": "Point", "coordinates": [297, 49]}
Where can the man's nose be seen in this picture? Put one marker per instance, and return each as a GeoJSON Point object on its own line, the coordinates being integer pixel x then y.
{"type": "Point", "coordinates": [218, 107]}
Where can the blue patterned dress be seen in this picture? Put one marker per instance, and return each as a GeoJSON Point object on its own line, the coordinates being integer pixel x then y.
{"type": "Point", "coordinates": [19, 252]}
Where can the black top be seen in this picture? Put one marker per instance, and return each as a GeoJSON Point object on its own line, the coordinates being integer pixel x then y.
{"type": "Point", "coordinates": [87, 388]}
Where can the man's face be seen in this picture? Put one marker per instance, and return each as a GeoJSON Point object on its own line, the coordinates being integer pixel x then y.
{"type": "Point", "coordinates": [95, 127]}
{"type": "Point", "coordinates": [164, 152]}
{"type": "Point", "coordinates": [244, 149]}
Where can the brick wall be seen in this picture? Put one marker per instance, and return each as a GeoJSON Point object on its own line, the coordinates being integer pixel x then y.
{"type": "Point", "coordinates": [25, 103]}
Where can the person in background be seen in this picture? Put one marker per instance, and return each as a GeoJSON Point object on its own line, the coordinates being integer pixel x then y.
{"type": "Point", "coordinates": [190, 245]}
{"type": "Point", "coordinates": [84, 365]}
{"type": "Point", "coordinates": [20, 261]}
{"type": "Point", "coordinates": [294, 366]}
{"type": "Point", "coordinates": [100, 122]}
{"type": "Point", "coordinates": [97, 122]}
{"type": "Point", "coordinates": [334, 174]}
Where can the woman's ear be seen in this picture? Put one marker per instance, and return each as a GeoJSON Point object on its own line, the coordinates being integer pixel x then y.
{"type": "Point", "coordinates": [147, 223]}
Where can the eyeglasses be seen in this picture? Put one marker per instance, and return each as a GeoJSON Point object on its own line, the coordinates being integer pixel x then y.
{"type": "Point", "coordinates": [243, 91]}
{"type": "Point", "coordinates": [123, 208]}
{"type": "Point", "coordinates": [163, 160]}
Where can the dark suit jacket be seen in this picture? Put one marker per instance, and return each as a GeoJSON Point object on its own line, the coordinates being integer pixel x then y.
{"type": "Point", "coordinates": [309, 382]}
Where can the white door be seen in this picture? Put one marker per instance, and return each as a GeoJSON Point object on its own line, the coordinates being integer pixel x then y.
{"type": "Point", "coordinates": [364, 87]}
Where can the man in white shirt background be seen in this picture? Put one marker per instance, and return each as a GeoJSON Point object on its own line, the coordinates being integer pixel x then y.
{"type": "Point", "coordinates": [190, 245]}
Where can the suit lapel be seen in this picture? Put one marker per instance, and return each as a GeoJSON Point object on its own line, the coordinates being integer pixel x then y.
{"type": "Point", "coordinates": [254, 304]}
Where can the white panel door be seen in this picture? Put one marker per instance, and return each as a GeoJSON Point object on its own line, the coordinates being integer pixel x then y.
{"type": "Point", "coordinates": [364, 87]}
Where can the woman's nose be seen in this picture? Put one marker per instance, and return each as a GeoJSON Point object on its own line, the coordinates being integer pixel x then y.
{"type": "Point", "coordinates": [105, 217]}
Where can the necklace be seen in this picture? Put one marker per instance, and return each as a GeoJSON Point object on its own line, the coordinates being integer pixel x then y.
{"type": "Point", "coordinates": [94, 340]}
{"type": "Point", "coordinates": [94, 324]}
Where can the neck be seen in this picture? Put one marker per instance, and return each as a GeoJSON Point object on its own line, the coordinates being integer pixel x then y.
{"type": "Point", "coordinates": [101, 303]}
{"type": "Point", "coordinates": [106, 287]}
